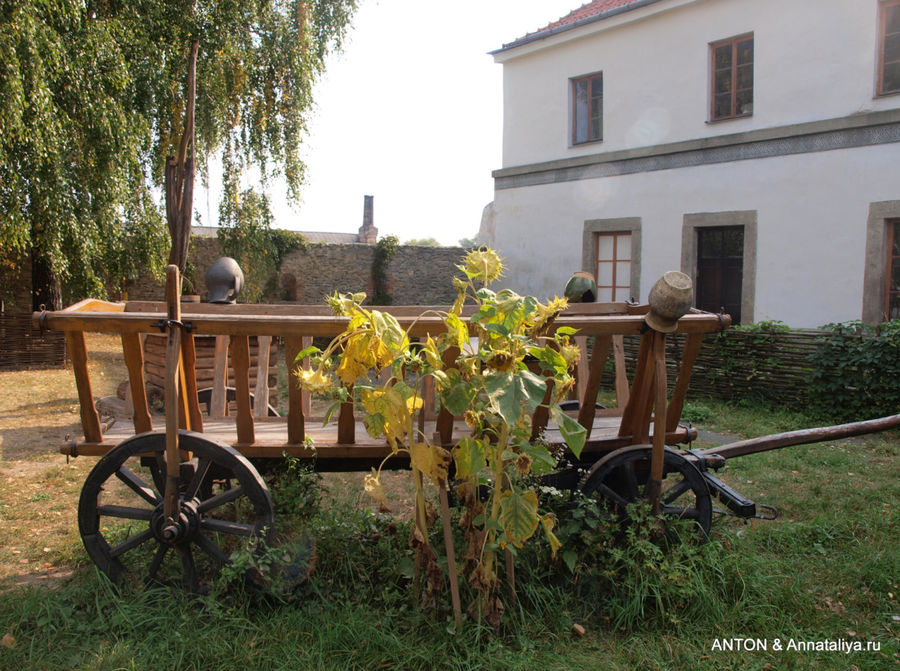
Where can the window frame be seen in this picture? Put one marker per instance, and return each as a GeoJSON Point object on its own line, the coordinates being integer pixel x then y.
{"type": "Point", "coordinates": [573, 83]}
{"type": "Point", "coordinates": [733, 42]}
{"type": "Point", "coordinates": [615, 225]}
{"type": "Point", "coordinates": [883, 8]}
{"type": "Point", "coordinates": [614, 261]}
{"type": "Point", "coordinates": [745, 218]}
{"type": "Point", "coordinates": [892, 234]}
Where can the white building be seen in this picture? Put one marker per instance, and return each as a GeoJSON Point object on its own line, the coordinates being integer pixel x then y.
{"type": "Point", "coordinates": [749, 143]}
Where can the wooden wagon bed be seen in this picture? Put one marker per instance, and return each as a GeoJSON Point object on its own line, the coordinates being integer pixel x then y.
{"type": "Point", "coordinates": [344, 444]}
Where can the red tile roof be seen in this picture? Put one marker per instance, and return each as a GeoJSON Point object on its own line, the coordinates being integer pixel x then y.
{"type": "Point", "coordinates": [591, 11]}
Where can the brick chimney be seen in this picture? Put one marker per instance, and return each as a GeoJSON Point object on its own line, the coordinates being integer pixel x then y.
{"type": "Point", "coordinates": [367, 232]}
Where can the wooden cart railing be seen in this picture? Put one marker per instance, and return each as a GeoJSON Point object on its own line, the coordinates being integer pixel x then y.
{"type": "Point", "coordinates": [345, 444]}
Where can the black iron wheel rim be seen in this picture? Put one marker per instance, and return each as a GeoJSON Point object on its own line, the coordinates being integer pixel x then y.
{"type": "Point", "coordinates": [224, 505]}
{"type": "Point", "coordinates": [621, 480]}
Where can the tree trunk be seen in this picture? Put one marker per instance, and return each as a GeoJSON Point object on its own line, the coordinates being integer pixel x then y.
{"type": "Point", "coordinates": [45, 288]}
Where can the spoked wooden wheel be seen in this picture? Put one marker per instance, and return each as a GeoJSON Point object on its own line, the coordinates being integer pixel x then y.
{"type": "Point", "coordinates": [620, 479]}
{"type": "Point", "coordinates": [223, 504]}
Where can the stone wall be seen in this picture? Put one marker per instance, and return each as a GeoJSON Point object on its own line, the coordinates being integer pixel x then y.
{"type": "Point", "coordinates": [416, 275]}
{"type": "Point", "coordinates": [203, 251]}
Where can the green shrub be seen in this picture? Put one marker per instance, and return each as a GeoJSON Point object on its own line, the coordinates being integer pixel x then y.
{"type": "Point", "coordinates": [856, 371]}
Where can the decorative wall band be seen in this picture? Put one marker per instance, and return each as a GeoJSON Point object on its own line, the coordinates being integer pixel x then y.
{"type": "Point", "coordinates": [800, 144]}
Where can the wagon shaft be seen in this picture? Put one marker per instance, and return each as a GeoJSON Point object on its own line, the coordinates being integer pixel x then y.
{"type": "Point", "coordinates": [804, 437]}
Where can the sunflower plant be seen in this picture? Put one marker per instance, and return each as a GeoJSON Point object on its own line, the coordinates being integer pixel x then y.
{"type": "Point", "coordinates": [495, 369]}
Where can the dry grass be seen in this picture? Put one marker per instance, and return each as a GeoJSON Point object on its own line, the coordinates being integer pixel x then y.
{"type": "Point", "coordinates": [38, 486]}
{"type": "Point", "coordinates": [39, 408]}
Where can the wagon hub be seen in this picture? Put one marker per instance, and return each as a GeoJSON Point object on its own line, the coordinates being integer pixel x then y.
{"type": "Point", "coordinates": [181, 529]}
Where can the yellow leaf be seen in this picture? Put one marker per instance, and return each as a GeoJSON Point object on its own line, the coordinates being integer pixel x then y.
{"type": "Point", "coordinates": [548, 522]}
{"type": "Point", "coordinates": [432, 460]}
{"type": "Point", "coordinates": [373, 488]}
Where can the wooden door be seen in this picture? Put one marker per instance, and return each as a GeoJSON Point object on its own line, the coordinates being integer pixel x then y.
{"type": "Point", "coordinates": [720, 269]}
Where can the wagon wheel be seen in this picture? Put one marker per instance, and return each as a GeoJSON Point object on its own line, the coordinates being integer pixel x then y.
{"type": "Point", "coordinates": [621, 478]}
{"type": "Point", "coordinates": [224, 503]}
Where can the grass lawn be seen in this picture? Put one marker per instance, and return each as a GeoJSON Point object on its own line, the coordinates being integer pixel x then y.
{"type": "Point", "coordinates": [826, 572]}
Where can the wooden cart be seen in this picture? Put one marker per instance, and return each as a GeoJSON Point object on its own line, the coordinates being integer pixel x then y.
{"type": "Point", "coordinates": [142, 506]}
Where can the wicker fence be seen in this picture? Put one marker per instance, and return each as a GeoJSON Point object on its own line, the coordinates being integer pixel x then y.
{"type": "Point", "coordinates": [741, 364]}
{"type": "Point", "coordinates": [23, 346]}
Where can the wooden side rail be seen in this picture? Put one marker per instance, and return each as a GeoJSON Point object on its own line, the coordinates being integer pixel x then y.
{"type": "Point", "coordinates": [298, 325]}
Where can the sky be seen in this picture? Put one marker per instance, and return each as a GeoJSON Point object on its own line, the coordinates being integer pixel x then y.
{"type": "Point", "coordinates": [411, 113]}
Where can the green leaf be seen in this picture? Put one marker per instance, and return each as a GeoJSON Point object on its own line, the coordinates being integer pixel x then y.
{"type": "Point", "coordinates": [458, 397]}
{"type": "Point", "coordinates": [331, 410]}
{"type": "Point", "coordinates": [572, 432]}
{"type": "Point", "coordinates": [518, 515]}
{"type": "Point", "coordinates": [512, 393]}
{"type": "Point", "coordinates": [309, 351]}
{"type": "Point", "coordinates": [469, 457]}
{"type": "Point", "coordinates": [549, 359]}
{"type": "Point", "coordinates": [570, 557]}
{"type": "Point", "coordinates": [542, 462]}
{"type": "Point", "coordinates": [566, 331]}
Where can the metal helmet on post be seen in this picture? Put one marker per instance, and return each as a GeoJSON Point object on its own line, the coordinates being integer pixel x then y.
{"type": "Point", "coordinates": [224, 280]}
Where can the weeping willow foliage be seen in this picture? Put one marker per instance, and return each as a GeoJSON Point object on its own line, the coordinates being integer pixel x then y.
{"type": "Point", "coordinates": [92, 100]}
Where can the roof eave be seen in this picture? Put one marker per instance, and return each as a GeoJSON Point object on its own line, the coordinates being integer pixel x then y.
{"type": "Point", "coordinates": [544, 34]}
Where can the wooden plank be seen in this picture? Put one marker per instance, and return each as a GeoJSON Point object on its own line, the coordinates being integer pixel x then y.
{"type": "Point", "coordinates": [219, 398]}
{"type": "Point", "coordinates": [328, 326]}
{"type": "Point", "coordinates": [636, 417]}
{"type": "Point", "coordinates": [658, 452]}
{"type": "Point", "coordinates": [622, 392]}
{"type": "Point", "coordinates": [692, 345]}
{"type": "Point", "coordinates": [346, 421]}
{"type": "Point", "coordinates": [541, 415]}
{"type": "Point", "coordinates": [305, 400]}
{"type": "Point", "coordinates": [134, 362]}
{"type": "Point", "coordinates": [90, 420]}
{"type": "Point", "coordinates": [296, 416]}
{"type": "Point", "coordinates": [189, 388]}
{"type": "Point", "coordinates": [261, 395]}
{"type": "Point", "coordinates": [445, 419]}
{"type": "Point", "coordinates": [587, 408]}
{"type": "Point", "coordinates": [240, 362]}
{"type": "Point", "coordinates": [583, 366]}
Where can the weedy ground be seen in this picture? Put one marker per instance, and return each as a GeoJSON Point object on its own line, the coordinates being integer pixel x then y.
{"type": "Point", "coordinates": [828, 569]}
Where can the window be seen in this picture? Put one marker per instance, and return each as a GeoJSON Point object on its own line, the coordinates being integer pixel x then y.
{"type": "Point", "coordinates": [889, 48]}
{"type": "Point", "coordinates": [892, 276]}
{"type": "Point", "coordinates": [613, 266]}
{"type": "Point", "coordinates": [731, 78]}
{"type": "Point", "coordinates": [587, 108]}
{"type": "Point", "coordinates": [611, 252]}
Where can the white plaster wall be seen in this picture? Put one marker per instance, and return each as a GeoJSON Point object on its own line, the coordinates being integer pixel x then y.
{"type": "Point", "coordinates": [811, 218]}
{"type": "Point", "coordinates": [814, 59]}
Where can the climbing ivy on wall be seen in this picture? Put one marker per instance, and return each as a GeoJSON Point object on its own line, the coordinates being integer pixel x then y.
{"type": "Point", "coordinates": [856, 371]}
{"type": "Point", "coordinates": [384, 250]}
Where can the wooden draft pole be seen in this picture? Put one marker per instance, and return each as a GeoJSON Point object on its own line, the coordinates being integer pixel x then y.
{"type": "Point", "coordinates": [173, 361]}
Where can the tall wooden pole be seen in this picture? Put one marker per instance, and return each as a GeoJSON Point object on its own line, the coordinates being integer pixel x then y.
{"type": "Point", "coordinates": [173, 361]}
{"type": "Point", "coordinates": [180, 171]}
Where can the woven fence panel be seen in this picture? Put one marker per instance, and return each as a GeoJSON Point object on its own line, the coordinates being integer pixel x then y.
{"type": "Point", "coordinates": [23, 346]}
{"type": "Point", "coordinates": [741, 364]}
